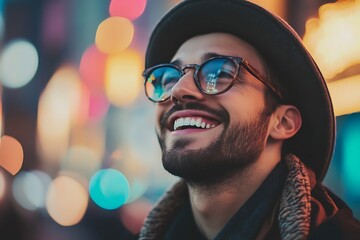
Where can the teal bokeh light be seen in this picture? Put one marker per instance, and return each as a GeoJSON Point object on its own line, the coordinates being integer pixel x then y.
{"type": "Point", "coordinates": [109, 188]}
{"type": "Point", "coordinates": [351, 153]}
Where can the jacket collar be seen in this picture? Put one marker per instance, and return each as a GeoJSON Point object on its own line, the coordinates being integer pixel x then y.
{"type": "Point", "coordinates": [293, 216]}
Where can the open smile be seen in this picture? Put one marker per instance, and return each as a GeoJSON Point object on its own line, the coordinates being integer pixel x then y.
{"type": "Point", "coordinates": [192, 119]}
{"type": "Point", "coordinates": [191, 122]}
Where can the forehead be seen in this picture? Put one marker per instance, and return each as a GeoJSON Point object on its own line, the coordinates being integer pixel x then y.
{"type": "Point", "coordinates": [194, 49]}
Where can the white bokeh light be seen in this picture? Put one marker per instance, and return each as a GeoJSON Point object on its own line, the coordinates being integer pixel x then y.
{"type": "Point", "coordinates": [18, 63]}
{"type": "Point", "coordinates": [30, 189]}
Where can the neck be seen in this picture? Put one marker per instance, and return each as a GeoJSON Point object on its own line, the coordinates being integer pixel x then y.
{"type": "Point", "coordinates": [214, 205]}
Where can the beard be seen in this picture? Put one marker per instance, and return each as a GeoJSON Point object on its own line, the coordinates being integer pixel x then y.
{"type": "Point", "coordinates": [235, 149]}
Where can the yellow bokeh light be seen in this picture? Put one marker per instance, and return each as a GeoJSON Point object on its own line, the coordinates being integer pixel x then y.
{"type": "Point", "coordinates": [58, 108]}
{"type": "Point", "coordinates": [114, 35]}
{"type": "Point", "coordinates": [345, 95]}
{"type": "Point", "coordinates": [123, 77]}
{"type": "Point", "coordinates": [66, 201]}
{"type": "Point", "coordinates": [333, 38]}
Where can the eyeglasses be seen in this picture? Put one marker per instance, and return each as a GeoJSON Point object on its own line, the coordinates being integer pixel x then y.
{"type": "Point", "coordinates": [215, 76]}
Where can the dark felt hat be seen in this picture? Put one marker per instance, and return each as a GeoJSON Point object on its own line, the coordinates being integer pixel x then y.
{"type": "Point", "coordinates": [301, 81]}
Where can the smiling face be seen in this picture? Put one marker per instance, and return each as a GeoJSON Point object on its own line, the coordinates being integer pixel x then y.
{"type": "Point", "coordinates": [207, 137]}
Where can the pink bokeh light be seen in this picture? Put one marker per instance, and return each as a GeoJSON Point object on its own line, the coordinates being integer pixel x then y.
{"type": "Point", "coordinates": [92, 70]}
{"type": "Point", "coordinates": [130, 9]}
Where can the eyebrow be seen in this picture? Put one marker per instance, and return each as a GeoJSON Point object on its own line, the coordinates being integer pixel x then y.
{"type": "Point", "coordinates": [205, 57]}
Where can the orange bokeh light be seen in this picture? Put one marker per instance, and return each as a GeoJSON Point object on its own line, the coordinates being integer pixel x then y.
{"type": "Point", "coordinates": [130, 9]}
{"type": "Point", "coordinates": [114, 34]}
{"type": "Point", "coordinates": [11, 154]}
{"type": "Point", "coordinates": [66, 201]}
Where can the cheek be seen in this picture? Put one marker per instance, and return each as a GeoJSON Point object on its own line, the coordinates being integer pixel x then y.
{"type": "Point", "coordinates": [160, 110]}
{"type": "Point", "coordinates": [243, 109]}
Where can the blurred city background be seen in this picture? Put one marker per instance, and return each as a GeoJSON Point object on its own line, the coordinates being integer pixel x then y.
{"type": "Point", "coordinates": [78, 155]}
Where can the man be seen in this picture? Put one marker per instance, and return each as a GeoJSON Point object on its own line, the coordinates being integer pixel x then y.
{"type": "Point", "coordinates": [244, 118]}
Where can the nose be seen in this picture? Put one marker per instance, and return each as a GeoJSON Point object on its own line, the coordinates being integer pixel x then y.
{"type": "Point", "coordinates": [185, 90]}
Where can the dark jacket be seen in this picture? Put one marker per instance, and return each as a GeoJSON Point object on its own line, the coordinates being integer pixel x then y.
{"type": "Point", "coordinates": [302, 209]}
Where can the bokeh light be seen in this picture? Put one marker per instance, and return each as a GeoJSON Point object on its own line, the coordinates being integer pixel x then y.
{"type": "Point", "coordinates": [1, 117]}
{"type": "Point", "coordinates": [82, 160]}
{"type": "Point", "coordinates": [92, 69]}
{"type": "Point", "coordinates": [333, 38]}
{"type": "Point", "coordinates": [130, 9]}
{"type": "Point", "coordinates": [109, 189]}
{"type": "Point", "coordinates": [11, 154]}
{"type": "Point", "coordinates": [18, 63]}
{"type": "Point", "coordinates": [59, 106]}
{"type": "Point", "coordinates": [351, 153]}
{"type": "Point", "coordinates": [54, 24]}
{"type": "Point", "coordinates": [114, 34]}
{"type": "Point", "coordinates": [2, 185]}
{"type": "Point", "coordinates": [2, 26]}
{"type": "Point", "coordinates": [123, 77]}
{"type": "Point", "coordinates": [98, 106]}
{"type": "Point", "coordinates": [133, 214]}
{"type": "Point", "coordinates": [345, 95]}
{"type": "Point", "coordinates": [127, 162]}
{"type": "Point", "coordinates": [66, 201]}
{"type": "Point", "coordinates": [30, 188]}
{"type": "Point", "coordinates": [89, 136]}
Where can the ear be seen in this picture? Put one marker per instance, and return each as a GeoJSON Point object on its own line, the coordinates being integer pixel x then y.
{"type": "Point", "coordinates": [286, 123]}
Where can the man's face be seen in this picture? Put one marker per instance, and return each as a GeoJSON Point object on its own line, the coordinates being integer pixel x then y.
{"type": "Point", "coordinates": [235, 122]}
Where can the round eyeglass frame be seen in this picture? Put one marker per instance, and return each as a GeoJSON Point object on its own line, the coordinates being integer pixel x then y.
{"type": "Point", "coordinates": [238, 61]}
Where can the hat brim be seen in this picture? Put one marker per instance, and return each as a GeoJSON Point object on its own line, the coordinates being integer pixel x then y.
{"type": "Point", "coordinates": [282, 49]}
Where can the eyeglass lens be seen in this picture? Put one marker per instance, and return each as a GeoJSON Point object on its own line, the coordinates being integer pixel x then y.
{"type": "Point", "coordinates": [212, 77]}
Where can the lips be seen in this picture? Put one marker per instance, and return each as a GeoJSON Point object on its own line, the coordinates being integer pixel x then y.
{"type": "Point", "coordinates": [194, 119]}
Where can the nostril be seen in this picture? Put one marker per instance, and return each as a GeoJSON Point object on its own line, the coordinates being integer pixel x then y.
{"type": "Point", "coordinates": [182, 98]}
{"type": "Point", "coordinates": [174, 99]}
{"type": "Point", "coordinates": [188, 97]}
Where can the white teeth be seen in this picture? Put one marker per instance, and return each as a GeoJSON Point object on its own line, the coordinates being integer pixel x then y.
{"type": "Point", "coordinates": [187, 121]}
{"type": "Point", "coordinates": [198, 122]}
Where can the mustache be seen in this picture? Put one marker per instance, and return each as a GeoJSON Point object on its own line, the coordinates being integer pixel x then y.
{"type": "Point", "coordinates": [220, 113]}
